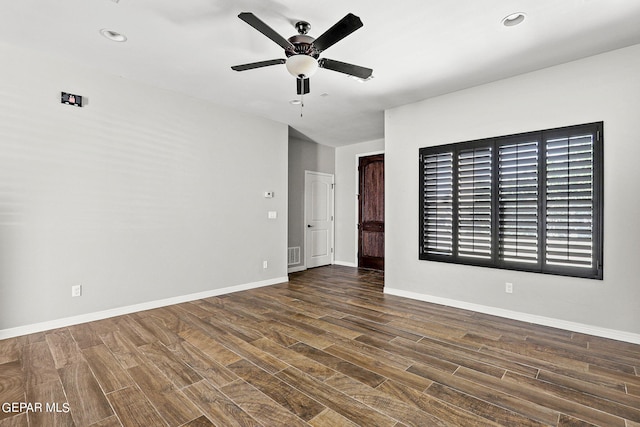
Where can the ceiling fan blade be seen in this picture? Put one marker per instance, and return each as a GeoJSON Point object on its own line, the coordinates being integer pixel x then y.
{"type": "Point", "coordinates": [343, 67]}
{"type": "Point", "coordinates": [256, 23]}
{"type": "Point", "coordinates": [260, 64]}
{"type": "Point", "coordinates": [340, 30]}
{"type": "Point", "coordinates": [302, 86]}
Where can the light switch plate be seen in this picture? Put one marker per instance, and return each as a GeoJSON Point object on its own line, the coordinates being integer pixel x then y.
{"type": "Point", "coordinates": [273, 215]}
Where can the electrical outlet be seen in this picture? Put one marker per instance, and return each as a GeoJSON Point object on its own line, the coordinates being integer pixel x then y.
{"type": "Point", "coordinates": [265, 264]}
{"type": "Point", "coordinates": [76, 291]}
{"type": "Point", "coordinates": [508, 287]}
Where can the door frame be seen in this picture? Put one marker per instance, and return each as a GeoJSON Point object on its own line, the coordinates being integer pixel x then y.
{"type": "Point", "coordinates": [333, 214]}
{"type": "Point", "coordinates": [357, 202]}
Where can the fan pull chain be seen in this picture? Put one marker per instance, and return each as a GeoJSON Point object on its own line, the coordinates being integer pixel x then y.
{"type": "Point", "coordinates": [301, 103]}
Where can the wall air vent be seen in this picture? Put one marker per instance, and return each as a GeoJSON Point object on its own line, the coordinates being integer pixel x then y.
{"type": "Point", "coordinates": [293, 255]}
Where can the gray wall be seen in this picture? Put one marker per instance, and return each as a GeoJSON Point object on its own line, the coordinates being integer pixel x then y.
{"type": "Point", "coordinates": [142, 195]}
{"type": "Point", "coordinates": [346, 194]}
{"type": "Point", "coordinates": [303, 156]}
{"type": "Point", "coordinates": [604, 87]}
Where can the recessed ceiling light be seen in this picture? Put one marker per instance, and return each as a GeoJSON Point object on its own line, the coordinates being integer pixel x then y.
{"type": "Point", "coordinates": [113, 35]}
{"type": "Point", "coordinates": [513, 19]}
{"type": "Point", "coordinates": [295, 102]}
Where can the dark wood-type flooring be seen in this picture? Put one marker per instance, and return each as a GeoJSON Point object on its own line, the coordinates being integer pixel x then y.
{"type": "Point", "coordinates": [326, 349]}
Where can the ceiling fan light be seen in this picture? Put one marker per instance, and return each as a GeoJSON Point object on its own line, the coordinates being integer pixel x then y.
{"type": "Point", "coordinates": [302, 66]}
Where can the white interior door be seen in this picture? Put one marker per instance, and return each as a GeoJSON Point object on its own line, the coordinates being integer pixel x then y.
{"type": "Point", "coordinates": [318, 212]}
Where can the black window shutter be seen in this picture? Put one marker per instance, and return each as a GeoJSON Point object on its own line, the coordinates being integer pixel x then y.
{"type": "Point", "coordinates": [474, 193]}
{"type": "Point", "coordinates": [570, 201]}
{"type": "Point", "coordinates": [437, 199]}
{"type": "Point", "coordinates": [518, 202]}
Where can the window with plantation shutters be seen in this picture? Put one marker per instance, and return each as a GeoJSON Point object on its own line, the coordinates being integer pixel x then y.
{"type": "Point", "coordinates": [529, 202]}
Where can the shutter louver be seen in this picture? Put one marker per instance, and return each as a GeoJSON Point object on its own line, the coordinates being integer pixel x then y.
{"type": "Point", "coordinates": [438, 204]}
{"type": "Point", "coordinates": [569, 201]}
{"type": "Point", "coordinates": [518, 202]}
{"type": "Point", "coordinates": [474, 203]}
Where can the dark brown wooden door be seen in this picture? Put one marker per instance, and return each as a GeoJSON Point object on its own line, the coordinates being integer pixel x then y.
{"type": "Point", "coordinates": [371, 212]}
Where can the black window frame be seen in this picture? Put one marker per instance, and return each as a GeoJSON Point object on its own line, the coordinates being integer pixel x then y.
{"type": "Point", "coordinates": [449, 153]}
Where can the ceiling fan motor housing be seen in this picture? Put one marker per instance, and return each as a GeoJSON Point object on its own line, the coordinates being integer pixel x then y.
{"type": "Point", "coordinates": [302, 45]}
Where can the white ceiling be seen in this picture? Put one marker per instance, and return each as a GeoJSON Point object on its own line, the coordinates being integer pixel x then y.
{"type": "Point", "coordinates": [417, 49]}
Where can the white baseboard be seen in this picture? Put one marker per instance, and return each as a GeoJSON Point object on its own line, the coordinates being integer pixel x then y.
{"type": "Point", "coordinates": [302, 267]}
{"type": "Point", "coordinates": [346, 264]}
{"type": "Point", "coordinates": [99, 315]}
{"type": "Point", "coordinates": [515, 315]}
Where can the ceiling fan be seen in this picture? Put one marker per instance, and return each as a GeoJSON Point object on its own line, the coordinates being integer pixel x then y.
{"type": "Point", "coordinates": [302, 51]}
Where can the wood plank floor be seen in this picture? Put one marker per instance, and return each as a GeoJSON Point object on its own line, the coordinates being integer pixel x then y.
{"type": "Point", "coordinates": [326, 349]}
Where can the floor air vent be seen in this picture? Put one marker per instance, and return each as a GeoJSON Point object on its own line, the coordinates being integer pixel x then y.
{"type": "Point", "coordinates": [293, 255]}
